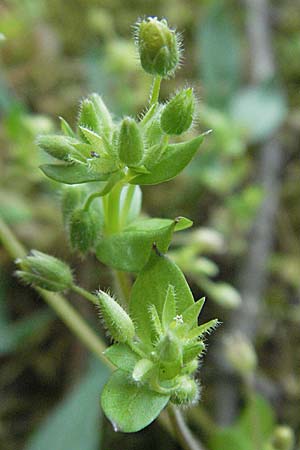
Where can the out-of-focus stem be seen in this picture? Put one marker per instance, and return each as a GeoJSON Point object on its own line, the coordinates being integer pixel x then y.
{"type": "Point", "coordinates": [57, 302]}
{"type": "Point", "coordinates": [181, 430]}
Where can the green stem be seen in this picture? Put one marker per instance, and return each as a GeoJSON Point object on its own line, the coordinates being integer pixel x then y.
{"type": "Point", "coordinates": [123, 285]}
{"type": "Point", "coordinates": [181, 431]}
{"type": "Point", "coordinates": [127, 204]}
{"type": "Point", "coordinates": [57, 302]}
{"type": "Point", "coordinates": [155, 90]}
{"type": "Point", "coordinates": [90, 297]}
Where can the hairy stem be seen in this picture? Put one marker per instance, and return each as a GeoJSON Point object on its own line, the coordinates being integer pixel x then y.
{"type": "Point", "coordinates": [57, 302]}
{"type": "Point", "coordinates": [181, 430]}
{"type": "Point", "coordinates": [155, 90]}
{"type": "Point", "coordinates": [85, 294]}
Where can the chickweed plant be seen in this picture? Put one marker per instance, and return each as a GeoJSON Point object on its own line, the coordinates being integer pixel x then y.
{"type": "Point", "coordinates": [156, 339]}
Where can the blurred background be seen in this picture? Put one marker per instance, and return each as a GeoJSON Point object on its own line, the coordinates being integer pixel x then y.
{"type": "Point", "coordinates": [242, 192]}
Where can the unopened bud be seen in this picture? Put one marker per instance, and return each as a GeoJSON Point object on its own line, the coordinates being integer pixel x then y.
{"type": "Point", "coordinates": [88, 117]}
{"type": "Point", "coordinates": [141, 369]}
{"type": "Point", "coordinates": [103, 115]}
{"type": "Point", "coordinates": [83, 230]}
{"type": "Point", "coordinates": [240, 353]}
{"type": "Point", "coordinates": [158, 46]}
{"type": "Point", "coordinates": [177, 115]}
{"type": "Point", "coordinates": [283, 438]}
{"type": "Point", "coordinates": [60, 147]}
{"type": "Point", "coordinates": [130, 143]}
{"type": "Point", "coordinates": [187, 391]}
{"type": "Point", "coordinates": [45, 271]}
{"type": "Point", "coordinates": [117, 321]}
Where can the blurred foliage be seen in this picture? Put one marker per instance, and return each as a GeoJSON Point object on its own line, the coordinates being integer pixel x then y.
{"type": "Point", "coordinates": [53, 53]}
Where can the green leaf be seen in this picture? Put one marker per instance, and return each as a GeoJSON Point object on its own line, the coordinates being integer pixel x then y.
{"type": "Point", "coordinates": [230, 438]}
{"type": "Point", "coordinates": [72, 173]}
{"type": "Point", "coordinates": [122, 356]}
{"type": "Point", "coordinates": [151, 286]}
{"type": "Point", "coordinates": [257, 420]}
{"type": "Point", "coordinates": [182, 223]}
{"type": "Point", "coordinates": [129, 250]}
{"type": "Point", "coordinates": [130, 407]}
{"type": "Point", "coordinates": [169, 308]}
{"type": "Point", "coordinates": [175, 158]}
{"type": "Point", "coordinates": [202, 329]}
{"type": "Point", "coordinates": [220, 69]}
{"type": "Point", "coordinates": [260, 110]}
{"type": "Point", "coordinates": [190, 315]}
{"type": "Point", "coordinates": [74, 423]}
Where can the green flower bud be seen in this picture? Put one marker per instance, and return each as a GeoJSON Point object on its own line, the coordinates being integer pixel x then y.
{"type": "Point", "coordinates": [186, 392]}
{"type": "Point", "coordinates": [283, 438]}
{"type": "Point", "coordinates": [88, 117]}
{"type": "Point", "coordinates": [104, 117]}
{"type": "Point", "coordinates": [83, 230]}
{"type": "Point", "coordinates": [71, 199]}
{"type": "Point", "coordinates": [158, 46]}
{"type": "Point", "coordinates": [130, 143]}
{"type": "Point", "coordinates": [45, 271]}
{"type": "Point", "coordinates": [142, 369]}
{"type": "Point", "coordinates": [60, 147]}
{"type": "Point", "coordinates": [170, 356]}
{"type": "Point", "coordinates": [240, 353]}
{"type": "Point", "coordinates": [177, 115]}
{"type": "Point", "coordinates": [117, 321]}
{"type": "Point", "coordinates": [191, 351]}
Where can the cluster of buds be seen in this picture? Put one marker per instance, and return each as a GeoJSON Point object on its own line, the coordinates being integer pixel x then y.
{"type": "Point", "coordinates": [168, 365]}
{"type": "Point", "coordinates": [44, 271]}
{"type": "Point", "coordinates": [102, 147]}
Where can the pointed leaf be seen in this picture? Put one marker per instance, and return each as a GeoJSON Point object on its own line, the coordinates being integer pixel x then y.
{"type": "Point", "coordinates": [65, 128]}
{"type": "Point", "coordinates": [129, 250]}
{"type": "Point", "coordinates": [130, 407]}
{"type": "Point", "coordinates": [122, 356]}
{"type": "Point", "coordinates": [190, 315]}
{"type": "Point", "coordinates": [72, 173]}
{"type": "Point", "coordinates": [169, 308]}
{"type": "Point", "coordinates": [155, 322]}
{"type": "Point", "coordinates": [93, 138]}
{"type": "Point", "coordinates": [150, 288]}
{"type": "Point", "coordinates": [205, 328]}
{"type": "Point", "coordinates": [175, 158]}
{"type": "Point", "coordinates": [182, 223]}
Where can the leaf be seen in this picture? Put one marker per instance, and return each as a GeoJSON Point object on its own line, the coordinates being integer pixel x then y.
{"type": "Point", "coordinates": [151, 286]}
{"type": "Point", "coordinates": [257, 420]}
{"type": "Point", "coordinates": [175, 158]}
{"type": "Point", "coordinates": [130, 407]}
{"type": "Point", "coordinates": [169, 308]}
{"type": "Point", "coordinates": [72, 173]}
{"type": "Point", "coordinates": [129, 250]}
{"type": "Point", "coordinates": [202, 329]}
{"type": "Point", "coordinates": [260, 110]}
{"type": "Point", "coordinates": [18, 334]}
{"type": "Point", "coordinates": [220, 69]}
{"type": "Point", "coordinates": [182, 223]}
{"type": "Point", "coordinates": [74, 423]}
{"type": "Point", "coordinates": [122, 356]}
{"type": "Point", "coordinates": [190, 315]}
{"type": "Point", "coordinates": [230, 438]}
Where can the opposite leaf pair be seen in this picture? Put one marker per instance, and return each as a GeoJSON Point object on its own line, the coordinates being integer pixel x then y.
{"type": "Point", "coordinates": [157, 347]}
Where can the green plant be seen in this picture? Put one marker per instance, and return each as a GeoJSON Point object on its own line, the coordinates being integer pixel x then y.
{"type": "Point", "coordinates": [154, 326]}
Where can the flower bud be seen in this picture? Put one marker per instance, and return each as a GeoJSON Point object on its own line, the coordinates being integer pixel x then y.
{"type": "Point", "coordinates": [71, 198]}
{"type": "Point", "coordinates": [45, 271]}
{"type": "Point", "coordinates": [283, 438]}
{"type": "Point", "coordinates": [187, 391]}
{"type": "Point", "coordinates": [130, 143]}
{"type": "Point", "coordinates": [170, 356]}
{"type": "Point", "coordinates": [141, 369]}
{"type": "Point", "coordinates": [158, 46]}
{"type": "Point", "coordinates": [83, 230]}
{"type": "Point", "coordinates": [191, 351]}
{"type": "Point", "coordinates": [177, 115]}
{"type": "Point", "coordinates": [88, 117]}
{"type": "Point", "coordinates": [240, 353]}
{"type": "Point", "coordinates": [60, 147]}
{"type": "Point", "coordinates": [117, 321]}
{"type": "Point", "coordinates": [106, 123]}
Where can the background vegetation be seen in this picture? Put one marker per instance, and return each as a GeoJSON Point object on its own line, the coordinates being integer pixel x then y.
{"type": "Point", "coordinates": [242, 192]}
